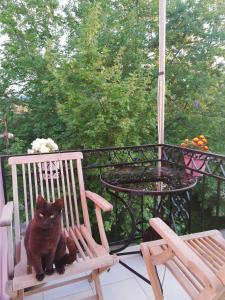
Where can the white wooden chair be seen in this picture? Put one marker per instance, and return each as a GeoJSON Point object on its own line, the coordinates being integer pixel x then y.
{"type": "Point", "coordinates": [54, 176]}
{"type": "Point", "coordinates": [196, 260]}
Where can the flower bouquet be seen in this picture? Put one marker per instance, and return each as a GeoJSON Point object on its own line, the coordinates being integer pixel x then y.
{"type": "Point", "coordinates": [195, 161]}
{"type": "Point", "coordinates": [45, 146]}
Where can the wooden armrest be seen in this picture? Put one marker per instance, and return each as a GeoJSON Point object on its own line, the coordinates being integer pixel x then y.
{"type": "Point", "coordinates": [99, 201]}
{"type": "Point", "coordinates": [7, 214]}
{"type": "Point", "coordinates": [192, 261]}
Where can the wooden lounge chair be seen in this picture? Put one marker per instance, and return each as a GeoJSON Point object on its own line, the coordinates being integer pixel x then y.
{"type": "Point", "coordinates": [54, 176]}
{"type": "Point", "coordinates": [196, 260]}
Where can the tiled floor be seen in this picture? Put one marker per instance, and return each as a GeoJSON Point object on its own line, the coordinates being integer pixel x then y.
{"type": "Point", "coordinates": [118, 284]}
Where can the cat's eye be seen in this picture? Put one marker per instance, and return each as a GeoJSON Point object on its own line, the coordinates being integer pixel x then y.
{"type": "Point", "coordinates": [52, 216]}
{"type": "Point", "coordinates": [41, 215]}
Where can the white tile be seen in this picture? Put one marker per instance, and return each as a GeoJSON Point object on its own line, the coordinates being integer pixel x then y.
{"type": "Point", "coordinates": [80, 296]}
{"type": "Point", "coordinates": [117, 273]}
{"type": "Point", "coordinates": [146, 288]}
{"type": "Point", "coordinates": [126, 289]}
{"type": "Point", "coordinates": [67, 290]}
{"type": "Point", "coordinates": [137, 263]}
{"type": "Point", "coordinates": [38, 296]}
{"type": "Point", "coordinates": [172, 289]}
{"type": "Point", "coordinates": [132, 248]}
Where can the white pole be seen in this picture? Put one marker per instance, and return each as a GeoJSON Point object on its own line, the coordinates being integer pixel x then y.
{"type": "Point", "coordinates": [161, 85]}
{"type": "Point", "coordinates": [161, 76]}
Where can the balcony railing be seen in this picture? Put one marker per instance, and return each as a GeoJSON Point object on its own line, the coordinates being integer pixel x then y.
{"type": "Point", "coordinates": [204, 208]}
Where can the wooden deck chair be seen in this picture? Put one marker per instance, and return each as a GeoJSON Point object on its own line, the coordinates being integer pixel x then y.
{"type": "Point", "coordinates": [57, 175]}
{"type": "Point", "coordinates": [197, 261]}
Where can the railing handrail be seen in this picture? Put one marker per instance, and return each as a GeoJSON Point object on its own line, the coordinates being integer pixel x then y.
{"type": "Point", "coordinates": [208, 153]}
{"type": "Point", "coordinates": [105, 149]}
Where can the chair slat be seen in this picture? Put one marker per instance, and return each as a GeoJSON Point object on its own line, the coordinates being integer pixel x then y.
{"type": "Point", "coordinates": [25, 193]}
{"type": "Point", "coordinates": [218, 249]}
{"type": "Point", "coordinates": [41, 180]}
{"type": "Point", "coordinates": [64, 195]}
{"type": "Point", "coordinates": [84, 244]}
{"type": "Point", "coordinates": [177, 272]}
{"type": "Point", "coordinates": [46, 180]}
{"type": "Point", "coordinates": [83, 196]}
{"type": "Point", "coordinates": [219, 241]}
{"type": "Point", "coordinates": [69, 193]}
{"type": "Point", "coordinates": [52, 181]}
{"type": "Point", "coordinates": [16, 208]}
{"type": "Point", "coordinates": [31, 190]}
{"type": "Point", "coordinates": [183, 280]}
{"type": "Point", "coordinates": [73, 236]}
{"type": "Point", "coordinates": [97, 249]}
{"type": "Point", "coordinates": [58, 186]}
{"type": "Point", "coordinates": [212, 250]}
{"type": "Point", "coordinates": [35, 179]}
{"type": "Point", "coordinates": [213, 265]}
{"type": "Point", "coordinates": [197, 285]}
{"type": "Point", "coordinates": [74, 194]}
{"type": "Point", "coordinates": [190, 276]}
{"type": "Point", "coordinates": [209, 254]}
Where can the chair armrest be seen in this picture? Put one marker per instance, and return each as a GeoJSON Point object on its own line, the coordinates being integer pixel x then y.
{"type": "Point", "coordinates": [99, 201]}
{"type": "Point", "coordinates": [7, 214]}
{"type": "Point", "coordinates": [184, 252]}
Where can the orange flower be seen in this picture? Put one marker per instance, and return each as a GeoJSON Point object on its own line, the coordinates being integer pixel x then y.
{"type": "Point", "coordinates": [199, 143]}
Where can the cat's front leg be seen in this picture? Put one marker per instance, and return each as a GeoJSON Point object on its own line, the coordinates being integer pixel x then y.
{"type": "Point", "coordinates": [37, 264]}
{"type": "Point", "coordinates": [49, 263]}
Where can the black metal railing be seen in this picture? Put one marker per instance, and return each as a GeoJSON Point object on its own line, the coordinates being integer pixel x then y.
{"type": "Point", "coordinates": [205, 205]}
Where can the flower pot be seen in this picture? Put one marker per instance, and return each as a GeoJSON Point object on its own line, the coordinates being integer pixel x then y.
{"type": "Point", "coordinates": [196, 162]}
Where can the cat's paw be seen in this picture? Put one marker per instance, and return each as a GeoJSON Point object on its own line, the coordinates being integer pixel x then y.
{"type": "Point", "coordinates": [49, 271]}
{"type": "Point", "coordinates": [60, 269]}
{"type": "Point", "coordinates": [40, 277]}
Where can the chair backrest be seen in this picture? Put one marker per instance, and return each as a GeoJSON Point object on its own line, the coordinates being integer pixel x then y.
{"type": "Point", "coordinates": [52, 176]}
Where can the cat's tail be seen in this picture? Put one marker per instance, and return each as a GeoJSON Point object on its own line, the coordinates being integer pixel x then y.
{"type": "Point", "coordinates": [70, 257]}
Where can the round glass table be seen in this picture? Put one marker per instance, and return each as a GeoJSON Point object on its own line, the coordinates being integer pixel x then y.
{"type": "Point", "coordinates": [165, 192]}
{"type": "Point", "coordinates": [141, 180]}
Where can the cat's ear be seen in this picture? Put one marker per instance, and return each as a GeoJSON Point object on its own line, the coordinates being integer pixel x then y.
{"type": "Point", "coordinates": [59, 204]}
{"type": "Point", "coordinates": [40, 203]}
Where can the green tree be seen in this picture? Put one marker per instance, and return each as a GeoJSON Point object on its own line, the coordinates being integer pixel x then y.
{"type": "Point", "coordinates": [86, 73]}
{"type": "Point", "coordinates": [30, 28]}
{"type": "Point", "coordinates": [195, 78]}
{"type": "Point", "coordinates": [108, 99]}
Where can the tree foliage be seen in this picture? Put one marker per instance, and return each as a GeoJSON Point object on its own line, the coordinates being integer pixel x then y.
{"type": "Point", "coordinates": [85, 74]}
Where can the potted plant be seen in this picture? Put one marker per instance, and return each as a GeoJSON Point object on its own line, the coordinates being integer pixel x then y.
{"type": "Point", "coordinates": [45, 146]}
{"type": "Point", "coordinates": [195, 161]}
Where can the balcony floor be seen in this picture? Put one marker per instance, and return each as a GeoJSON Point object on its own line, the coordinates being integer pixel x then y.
{"type": "Point", "coordinates": [118, 284]}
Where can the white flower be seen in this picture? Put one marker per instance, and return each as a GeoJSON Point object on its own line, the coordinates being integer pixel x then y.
{"type": "Point", "coordinates": [44, 149]}
{"type": "Point", "coordinates": [43, 146]}
{"type": "Point", "coordinates": [30, 151]}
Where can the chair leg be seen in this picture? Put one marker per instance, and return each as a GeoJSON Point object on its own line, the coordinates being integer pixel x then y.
{"type": "Point", "coordinates": [95, 277]}
{"type": "Point", "coordinates": [153, 276]}
{"type": "Point", "coordinates": [14, 295]}
{"type": "Point", "coordinates": [20, 295]}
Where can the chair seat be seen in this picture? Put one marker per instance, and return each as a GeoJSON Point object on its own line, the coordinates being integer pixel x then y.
{"type": "Point", "coordinates": [90, 255]}
{"type": "Point", "coordinates": [208, 245]}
